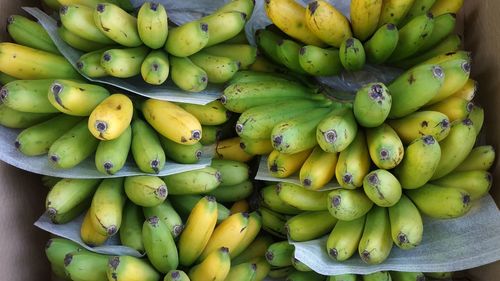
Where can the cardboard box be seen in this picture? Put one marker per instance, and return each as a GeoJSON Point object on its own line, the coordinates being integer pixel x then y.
{"type": "Point", "coordinates": [22, 196]}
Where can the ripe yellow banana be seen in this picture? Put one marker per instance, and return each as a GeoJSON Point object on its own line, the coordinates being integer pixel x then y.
{"type": "Point", "coordinates": [111, 117]}
{"type": "Point", "coordinates": [214, 267]}
{"type": "Point", "coordinates": [282, 165]}
{"type": "Point", "coordinates": [89, 233]}
{"type": "Point", "coordinates": [107, 206]}
{"type": "Point", "coordinates": [393, 11]}
{"type": "Point", "coordinates": [253, 229]}
{"type": "Point", "coordinates": [468, 91]}
{"type": "Point", "coordinates": [230, 149]}
{"type": "Point", "coordinates": [446, 6]}
{"type": "Point", "coordinates": [327, 23]}
{"type": "Point", "coordinates": [353, 163]}
{"type": "Point", "coordinates": [365, 15]}
{"type": "Point", "coordinates": [318, 169]}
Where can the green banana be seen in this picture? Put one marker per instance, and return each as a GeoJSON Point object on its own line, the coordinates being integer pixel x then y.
{"type": "Point", "coordinates": [131, 228]}
{"type": "Point", "coordinates": [288, 55]}
{"type": "Point", "coordinates": [352, 54]}
{"type": "Point", "coordinates": [280, 254]}
{"type": "Point", "coordinates": [30, 33]}
{"type": "Point", "coordinates": [255, 250]}
{"type": "Point", "coordinates": [343, 277]}
{"type": "Point", "coordinates": [412, 36]}
{"type": "Point", "coordinates": [337, 130]}
{"type": "Point", "coordinates": [302, 198]}
{"type": "Point", "coordinates": [319, 61]}
{"type": "Point", "coordinates": [344, 239]}
{"type": "Point", "coordinates": [193, 182]}
{"type": "Point", "coordinates": [185, 154]}
{"type": "Point", "coordinates": [407, 276]}
{"type": "Point", "coordinates": [211, 134]}
{"type": "Point", "coordinates": [155, 68]}
{"type": "Point", "coordinates": [242, 272]}
{"type": "Point", "coordinates": [477, 117]}
{"type": "Point", "coordinates": [232, 193]}
{"type": "Point", "coordinates": [309, 225]}
{"type": "Point", "coordinates": [27, 96]}
{"type": "Point", "coordinates": [440, 202]}
{"type": "Point", "coordinates": [107, 206]}
{"type": "Point", "coordinates": [271, 200]}
{"type": "Point", "coordinates": [212, 113]}
{"type": "Point", "coordinates": [152, 24]}
{"type": "Point", "coordinates": [457, 72]}
{"type": "Point", "coordinates": [419, 7]}
{"type": "Point", "coordinates": [419, 163]}
{"type": "Point", "coordinates": [305, 276]}
{"type": "Point", "coordinates": [219, 69]}
{"type": "Point", "coordinates": [245, 54]}
{"type": "Point", "coordinates": [243, 6]}
{"type": "Point", "coordinates": [166, 212]}
{"type": "Point", "coordinates": [75, 98]}
{"type": "Point", "coordinates": [79, 20]}
{"type": "Point", "coordinates": [110, 156]}
{"type": "Point", "coordinates": [5, 78]}
{"type": "Point", "coordinates": [85, 266]}
{"type": "Point", "coordinates": [187, 39]}
{"type": "Point", "coordinates": [267, 41]}
{"type": "Point", "coordinates": [372, 105]}
{"type": "Point", "coordinates": [37, 139]}
{"type": "Point", "coordinates": [348, 205]}
{"type": "Point", "coordinates": [231, 172]}
{"type": "Point", "coordinates": [300, 266]}
{"type": "Point", "coordinates": [376, 242]}
{"type": "Point", "coordinates": [353, 163]}
{"type": "Point", "coordinates": [223, 25]}
{"type": "Point", "coordinates": [176, 275]}
{"type": "Point", "coordinates": [280, 272]}
{"type": "Point", "coordinates": [273, 223]}
{"type": "Point", "coordinates": [421, 123]}
{"type": "Point", "coordinates": [476, 183]}
{"type": "Point", "coordinates": [130, 268]}
{"type": "Point", "coordinates": [406, 224]}
{"type": "Point", "coordinates": [444, 25]}
{"type": "Point", "coordinates": [385, 146]}
{"type": "Point", "coordinates": [382, 44]}
{"type": "Point", "coordinates": [117, 24]}
{"type": "Point", "coordinates": [57, 248]}
{"type": "Point", "coordinates": [90, 64]}
{"type": "Point", "coordinates": [378, 276]}
{"type": "Point", "coordinates": [72, 147]}
{"type": "Point", "coordinates": [186, 75]}
{"type": "Point", "coordinates": [124, 63]}
{"type": "Point", "coordinates": [251, 76]}
{"type": "Point", "coordinates": [480, 158]}
{"type": "Point", "coordinates": [382, 187]}
{"type": "Point", "coordinates": [146, 147]}
{"type": "Point", "coordinates": [159, 245]}
{"type": "Point", "coordinates": [145, 191]}
{"type": "Point", "coordinates": [77, 42]}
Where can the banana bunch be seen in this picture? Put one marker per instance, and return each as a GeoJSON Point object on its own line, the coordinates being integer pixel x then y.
{"type": "Point", "coordinates": [392, 275]}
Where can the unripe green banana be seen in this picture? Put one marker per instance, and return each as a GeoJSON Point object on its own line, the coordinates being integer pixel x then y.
{"type": "Point", "coordinates": [419, 7]}
{"type": "Point", "coordinates": [251, 76]}
{"type": "Point", "coordinates": [348, 205]}
{"type": "Point", "coordinates": [243, 6]}
{"type": "Point", "coordinates": [310, 225]}
{"type": "Point", "coordinates": [110, 156]}
{"type": "Point", "coordinates": [186, 75]}
{"type": "Point", "coordinates": [300, 266]}
{"type": "Point", "coordinates": [301, 198]}
{"type": "Point", "coordinates": [211, 134]}
{"type": "Point", "coordinates": [440, 202]}
{"type": "Point", "coordinates": [407, 276]}
{"type": "Point", "coordinates": [352, 54]}
{"type": "Point", "coordinates": [288, 55]}
{"type": "Point", "coordinates": [180, 153]}
{"type": "Point", "coordinates": [187, 39]}
{"type": "Point", "coordinates": [30, 33]}
{"type": "Point", "coordinates": [255, 250]}
{"type": "Point", "coordinates": [337, 130]}
{"type": "Point", "coordinates": [280, 254]}
{"type": "Point", "coordinates": [376, 242]}
{"type": "Point", "coordinates": [344, 239]}
{"type": "Point", "coordinates": [212, 113]}
{"type": "Point", "coordinates": [152, 24]}
{"type": "Point", "coordinates": [85, 266]}
{"type": "Point", "coordinates": [107, 206]}
{"type": "Point", "coordinates": [131, 228]}
{"type": "Point", "coordinates": [271, 200]}
{"type": "Point", "coordinates": [476, 183]}
{"type": "Point", "coordinates": [131, 268]}
{"type": "Point", "coordinates": [124, 63]}
{"type": "Point", "coordinates": [72, 147]}
{"type": "Point", "coordinates": [280, 272]}
{"type": "Point", "coordinates": [245, 54]}
{"type": "Point", "coordinates": [305, 276]}
{"type": "Point", "coordinates": [319, 169]}
{"type": "Point", "coordinates": [406, 224]}
{"type": "Point", "coordinates": [382, 44]}
{"type": "Point", "coordinates": [223, 25]}
{"type": "Point", "coordinates": [421, 123]}
{"type": "Point", "coordinates": [155, 68]}
{"type": "Point", "coordinates": [76, 41]}
{"type": "Point", "coordinates": [231, 172]}
{"type": "Point", "coordinates": [166, 212]}
{"type": "Point", "coordinates": [90, 64]}
{"type": "Point", "coordinates": [219, 69]}
{"type": "Point", "coordinates": [372, 105]}
{"type": "Point", "coordinates": [267, 40]}
{"type": "Point", "coordinates": [193, 182]}
{"type": "Point", "coordinates": [444, 25]}
{"type": "Point", "coordinates": [415, 88]}
{"type": "Point", "coordinates": [159, 245]}
{"type": "Point", "coordinates": [37, 139]}
{"type": "Point", "coordinates": [117, 24]}
{"type": "Point", "coordinates": [79, 20]}
{"type": "Point", "coordinates": [419, 163]}
{"type": "Point", "coordinates": [382, 187]}
{"type": "Point", "coordinates": [273, 223]}
{"type": "Point", "coordinates": [457, 73]}
{"type": "Point", "coordinates": [378, 276]}
{"type": "Point", "coordinates": [27, 96]}
{"type": "Point", "coordinates": [5, 78]}
{"type": "Point", "coordinates": [232, 193]}
{"type": "Point", "coordinates": [477, 117]}
{"type": "Point", "coordinates": [320, 62]}
{"type": "Point", "coordinates": [343, 277]}
{"type": "Point", "coordinates": [75, 98]}
{"type": "Point", "coordinates": [176, 275]}
{"type": "Point", "coordinates": [146, 147]}
{"type": "Point", "coordinates": [242, 272]}
{"type": "Point", "coordinates": [480, 158]}
{"type": "Point", "coordinates": [145, 191]}
{"type": "Point", "coordinates": [57, 248]}
{"type": "Point", "coordinates": [412, 36]}
{"type": "Point", "coordinates": [385, 146]}
{"type": "Point", "coordinates": [353, 163]}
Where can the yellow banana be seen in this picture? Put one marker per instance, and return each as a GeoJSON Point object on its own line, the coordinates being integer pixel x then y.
{"type": "Point", "coordinates": [454, 107]}
{"type": "Point", "coordinates": [127, 268]}
{"type": "Point", "coordinates": [393, 11]}
{"type": "Point", "coordinates": [446, 6]}
{"type": "Point", "coordinates": [253, 229]}
{"type": "Point", "coordinates": [318, 169]}
{"type": "Point", "coordinates": [327, 23]}
{"type": "Point", "coordinates": [74, 98]}
{"type": "Point", "coordinates": [89, 234]}
{"type": "Point", "coordinates": [480, 158]}
{"type": "Point", "coordinates": [301, 198]}
{"type": "Point", "coordinates": [376, 242]}
{"type": "Point", "coordinates": [257, 249]}
{"type": "Point", "coordinates": [344, 239]}
{"type": "Point", "coordinates": [111, 117]}
{"type": "Point", "coordinates": [214, 267]}
{"type": "Point", "coordinates": [476, 183]}
{"type": "Point", "coordinates": [230, 149]}
{"type": "Point", "coordinates": [79, 20]}
{"type": "Point", "coordinates": [107, 206]}
{"type": "Point", "coordinates": [213, 113]}
{"type": "Point", "coordinates": [256, 146]}
{"type": "Point", "coordinates": [310, 225]}
{"type": "Point", "coordinates": [365, 15]}
{"type": "Point", "coordinates": [282, 165]}
{"type": "Point", "coordinates": [468, 91]}
{"type": "Point", "coordinates": [421, 123]}
{"type": "Point", "coordinates": [117, 24]}
{"type": "Point", "coordinates": [353, 163]}
{"type": "Point", "coordinates": [270, 199]}
{"type": "Point", "coordinates": [385, 146]}
{"type": "Point", "coordinates": [152, 24]}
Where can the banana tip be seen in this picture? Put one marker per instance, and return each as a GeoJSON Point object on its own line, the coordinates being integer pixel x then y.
{"type": "Point", "coordinates": [101, 126]}
{"type": "Point", "coordinates": [17, 144]}
{"type": "Point", "coordinates": [155, 165]}
{"type": "Point", "coordinates": [239, 128]}
{"type": "Point", "coordinates": [196, 134]}
{"type": "Point", "coordinates": [154, 6]}
{"type": "Point", "coordinates": [198, 154]}
{"type": "Point", "coordinates": [154, 220]}
{"type": "Point", "coordinates": [428, 140]}
{"type": "Point", "coordinates": [330, 136]}
{"type": "Point", "coordinates": [313, 6]}
{"type": "Point", "coordinates": [204, 27]}
{"type": "Point", "coordinates": [402, 238]}
{"type": "Point", "coordinates": [4, 93]}
{"type": "Point", "coordinates": [111, 230]}
{"type": "Point", "coordinates": [67, 259]}
{"type": "Point", "coordinates": [269, 256]}
{"type": "Point", "coordinates": [384, 154]}
{"type": "Point", "coordinates": [336, 201]}
{"type": "Point", "coordinates": [211, 198]}
{"type": "Point", "coordinates": [307, 182]}
{"type": "Point", "coordinates": [438, 72]}
{"type": "Point", "coordinates": [51, 212]}
{"type": "Point", "coordinates": [79, 65]}
{"type": "Point", "coordinates": [373, 179]}
{"type": "Point", "coordinates": [162, 192]}
{"type": "Point", "coordinates": [11, 20]}
{"type": "Point", "coordinates": [347, 178]}
{"type": "Point", "coordinates": [114, 262]}
{"type": "Point", "coordinates": [224, 250]}
{"type": "Point", "coordinates": [333, 253]}
{"type": "Point", "coordinates": [175, 274]}
{"type": "Point", "coordinates": [100, 8]}
{"type": "Point", "coordinates": [365, 256]}
{"type": "Point", "coordinates": [107, 167]}
{"type": "Point", "coordinates": [63, 10]}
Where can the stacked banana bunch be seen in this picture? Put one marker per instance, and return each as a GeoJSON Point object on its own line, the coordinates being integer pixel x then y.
{"type": "Point", "coordinates": [119, 44]}
{"type": "Point", "coordinates": [319, 40]}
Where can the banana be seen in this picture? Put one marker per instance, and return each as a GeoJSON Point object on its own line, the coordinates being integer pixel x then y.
{"type": "Point", "coordinates": [131, 228]}
{"type": "Point", "coordinates": [124, 63]}
{"type": "Point", "coordinates": [176, 275]}
{"type": "Point", "coordinates": [412, 36]}
{"type": "Point", "coordinates": [455, 148]}
{"type": "Point", "coordinates": [245, 54]}
{"type": "Point", "coordinates": [310, 225]}
{"type": "Point", "coordinates": [4, 78]}
{"type": "Point", "coordinates": [240, 206]}
{"type": "Point", "coordinates": [477, 117]}
{"type": "Point", "coordinates": [327, 23]}
{"type": "Point", "coordinates": [228, 234]}
{"type": "Point", "coordinates": [89, 234]}
{"type": "Point", "coordinates": [440, 202]}
{"type": "Point", "coordinates": [90, 64]}
{"type": "Point", "coordinates": [186, 75]}
{"type": "Point", "coordinates": [281, 165]}
{"type": "Point", "coordinates": [107, 206]}
{"type": "Point", "coordinates": [318, 169]}
{"type": "Point", "coordinates": [67, 194]}
{"type": "Point", "coordinates": [85, 266]}
{"type": "Point", "coordinates": [211, 134]}
{"type": "Point", "coordinates": [262, 64]}
{"type": "Point", "coordinates": [273, 223]}
{"type": "Point", "coordinates": [352, 54]}
{"type": "Point", "coordinates": [480, 158]}
{"type": "Point", "coordinates": [457, 73]}
{"type": "Point", "coordinates": [56, 249]}
{"type": "Point", "coordinates": [385, 146]}
{"type": "Point", "coordinates": [301, 198]}
{"type": "Point", "coordinates": [382, 44]}
{"type": "Point", "coordinates": [415, 88]}
{"type": "Point", "coordinates": [476, 183]}
{"type": "Point", "coordinates": [406, 276]}
{"type": "Point", "coordinates": [27, 96]}
{"type": "Point", "coordinates": [255, 250]}
{"type": "Point", "coordinates": [187, 39]}
{"type": "Point", "coordinates": [288, 55]}
{"type": "Point", "coordinates": [72, 214]}
{"type": "Point", "coordinates": [145, 191]}
{"type": "Point", "coordinates": [444, 25]}
{"type": "Point", "coordinates": [185, 154]}
{"type": "Point", "coordinates": [152, 25]}
{"type": "Point", "coordinates": [365, 16]}
{"type": "Point", "coordinates": [146, 147]}
{"type": "Point", "coordinates": [280, 272]}
{"type": "Point", "coordinates": [77, 42]}
{"type": "Point", "coordinates": [382, 187]}
{"type": "Point", "coordinates": [446, 6]}
{"type": "Point", "coordinates": [267, 40]}
{"type": "Point", "coordinates": [406, 224]}
{"type": "Point", "coordinates": [230, 149]}
{"type": "Point", "coordinates": [421, 160]}
{"type": "Point", "coordinates": [231, 172]}
{"type": "Point", "coordinates": [419, 7]}
{"type": "Point", "coordinates": [214, 267]}
{"type": "Point", "coordinates": [172, 122]}
{"type": "Point", "coordinates": [30, 34]}
{"type": "Point", "coordinates": [253, 229]}
{"type": "Point", "coordinates": [54, 5]}
{"type": "Point", "coordinates": [453, 107]}
{"type": "Point", "coordinates": [372, 105]}
{"type": "Point", "coordinates": [288, 15]}
{"type": "Point", "coordinates": [159, 245]}
{"type": "Point", "coordinates": [242, 272]}
{"type": "Point", "coordinates": [86, 3]}
{"type": "Point", "coordinates": [279, 254]}
{"type": "Point", "coordinates": [243, 6]}
{"type": "Point", "coordinates": [345, 277]}
{"type": "Point", "coordinates": [394, 11]}
{"type": "Point", "coordinates": [439, 275]}
{"type": "Point", "coordinates": [166, 212]}
{"type": "Point", "coordinates": [196, 234]}
{"type": "Point", "coordinates": [344, 239]}
{"type": "Point", "coordinates": [421, 123]}
{"type": "Point", "coordinates": [317, 61]}
{"type": "Point", "coordinates": [155, 68]}
{"type": "Point", "coordinates": [110, 156]}
{"type": "Point", "coordinates": [378, 276]}
{"type": "Point", "coordinates": [75, 98]}
{"type": "Point", "coordinates": [127, 268]}
{"type": "Point", "coordinates": [305, 276]}
{"type": "Point", "coordinates": [79, 20]}
{"type": "Point", "coordinates": [212, 113]}
{"type": "Point", "coordinates": [223, 25]}
{"type": "Point", "coordinates": [271, 200]}
{"type": "Point", "coordinates": [337, 130]}
{"type": "Point", "coordinates": [12, 118]}
{"type": "Point", "coordinates": [193, 182]}
{"type": "Point", "coordinates": [300, 266]}
{"type": "Point", "coordinates": [72, 147]}
{"type": "Point", "coordinates": [468, 91]}
{"type": "Point", "coordinates": [353, 163]}
{"type": "Point", "coordinates": [37, 139]}
{"type": "Point", "coordinates": [219, 69]}
{"type": "Point", "coordinates": [376, 242]}
{"type": "Point", "coordinates": [111, 117]}
{"type": "Point", "coordinates": [117, 24]}
{"type": "Point", "coordinates": [256, 147]}
{"type": "Point", "coordinates": [250, 76]}
{"type": "Point", "coordinates": [348, 205]}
